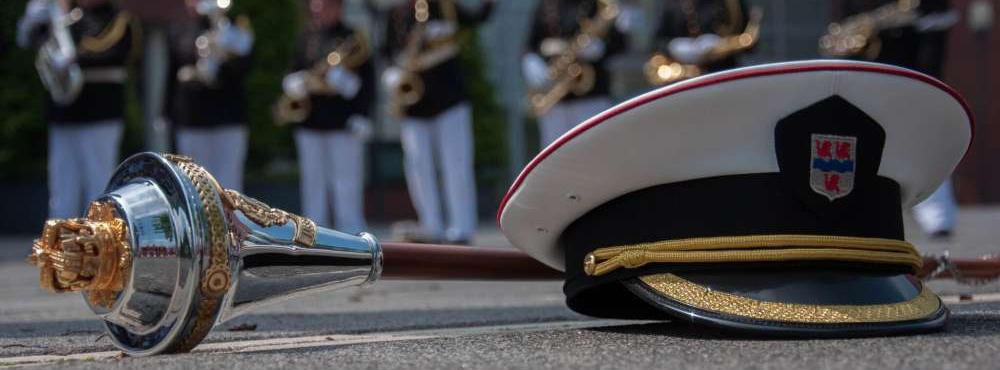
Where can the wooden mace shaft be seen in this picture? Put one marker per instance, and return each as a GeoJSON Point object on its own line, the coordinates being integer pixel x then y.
{"type": "Point", "coordinates": [452, 262]}
{"type": "Point", "coordinates": [971, 268]}
{"type": "Point", "coordinates": [408, 261]}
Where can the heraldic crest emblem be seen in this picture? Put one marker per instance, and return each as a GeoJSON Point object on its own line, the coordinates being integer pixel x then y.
{"type": "Point", "coordinates": [832, 165]}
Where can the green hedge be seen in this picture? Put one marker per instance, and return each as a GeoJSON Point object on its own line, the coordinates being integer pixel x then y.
{"type": "Point", "coordinates": [275, 23]}
{"type": "Point", "coordinates": [489, 122]}
{"type": "Point", "coordinates": [22, 133]}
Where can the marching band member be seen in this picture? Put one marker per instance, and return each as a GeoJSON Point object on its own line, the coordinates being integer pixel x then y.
{"type": "Point", "coordinates": [330, 96]}
{"type": "Point", "coordinates": [428, 92]}
{"type": "Point", "coordinates": [557, 24]}
{"type": "Point", "coordinates": [919, 42]}
{"type": "Point", "coordinates": [85, 46]}
{"type": "Point", "coordinates": [211, 56]}
{"type": "Point", "coordinates": [696, 37]}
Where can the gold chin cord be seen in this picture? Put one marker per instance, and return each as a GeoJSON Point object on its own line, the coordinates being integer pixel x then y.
{"type": "Point", "coordinates": [91, 254]}
{"type": "Point", "coordinates": [754, 248]}
{"type": "Point", "coordinates": [662, 70]}
{"type": "Point", "coordinates": [857, 36]}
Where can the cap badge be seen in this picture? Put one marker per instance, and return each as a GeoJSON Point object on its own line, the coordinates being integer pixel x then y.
{"type": "Point", "coordinates": [833, 163]}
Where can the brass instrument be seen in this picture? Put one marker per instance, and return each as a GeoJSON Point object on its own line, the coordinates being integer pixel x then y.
{"type": "Point", "coordinates": [662, 70]}
{"type": "Point", "coordinates": [858, 35]}
{"type": "Point", "coordinates": [408, 88]}
{"type": "Point", "coordinates": [567, 74]}
{"type": "Point", "coordinates": [350, 54]}
{"type": "Point", "coordinates": [56, 59]}
{"type": "Point", "coordinates": [210, 53]}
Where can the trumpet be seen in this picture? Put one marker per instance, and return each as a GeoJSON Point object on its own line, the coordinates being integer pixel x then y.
{"type": "Point", "coordinates": [858, 35]}
{"type": "Point", "coordinates": [567, 74]}
{"type": "Point", "coordinates": [662, 70]}
{"type": "Point", "coordinates": [56, 59]}
{"type": "Point", "coordinates": [350, 54]}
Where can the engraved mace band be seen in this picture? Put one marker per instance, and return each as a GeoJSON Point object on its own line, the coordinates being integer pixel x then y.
{"type": "Point", "coordinates": [166, 253]}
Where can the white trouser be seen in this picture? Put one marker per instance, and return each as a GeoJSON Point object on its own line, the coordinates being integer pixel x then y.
{"type": "Point", "coordinates": [449, 137]}
{"type": "Point", "coordinates": [332, 166]}
{"type": "Point", "coordinates": [564, 116]}
{"type": "Point", "coordinates": [937, 212]}
{"type": "Point", "coordinates": [82, 158]}
{"type": "Point", "coordinates": [221, 150]}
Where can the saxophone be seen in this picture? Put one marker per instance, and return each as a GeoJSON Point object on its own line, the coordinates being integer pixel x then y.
{"type": "Point", "coordinates": [662, 70]}
{"type": "Point", "coordinates": [408, 88]}
{"type": "Point", "coordinates": [858, 35]}
{"type": "Point", "coordinates": [567, 74]}
{"type": "Point", "coordinates": [350, 54]}
{"type": "Point", "coordinates": [56, 59]}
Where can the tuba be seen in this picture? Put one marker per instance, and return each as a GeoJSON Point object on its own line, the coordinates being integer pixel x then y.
{"type": "Point", "coordinates": [350, 54]}
{"type": "Point", "coordinates": [662, 70]}
{"type": "Point", "coordinates": [567, 74]}
{"type": "Point", "coordinates": [858, 35]}
{"type": "Point", "coordinates": [56, 59]}
{"type": "Point", "coordinates": [408, 88]}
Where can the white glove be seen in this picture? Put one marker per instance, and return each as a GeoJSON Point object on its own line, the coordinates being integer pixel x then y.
{"type": "Point", "coordinates": [630, 18]}
{"type": "Point", "coordinates": [36, 11]}
{"type": "Point", "coordinates": [593, 51]}
{"type": "Point", "coordinates": [939, 21]}
{"type": "Point", "coordinates": [391, 77]}
{"type": "Point", "coordinates": [206, 7]}
{"type": "Point", "coordinates": [36, 14]}
{"type": "Point", "coordinates": [295, 86]}
{"type": "Point", "coordinates": [436, 30]}
{"type": "Point", "coordinates": [61, 61]}
{"type": "Point", "coordinates": [361, 127]}
{"type": "Point", "coordinates": [207, 68]}
{"type": "Point", "coordinates": [236, 40]}
{"type": "Point", "coordinates": [536, 71]}
{"type": "Point", "coordinates": [345, 82]}
{"type": "Point", "coordinates": [688, 50]}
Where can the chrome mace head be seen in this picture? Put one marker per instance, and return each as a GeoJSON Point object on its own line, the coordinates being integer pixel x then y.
{"type": "Point", "coordinates": [166, 253]}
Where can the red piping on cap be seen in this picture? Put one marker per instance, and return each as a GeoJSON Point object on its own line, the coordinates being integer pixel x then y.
{"type": "Point", "coordinates": [725, 77]}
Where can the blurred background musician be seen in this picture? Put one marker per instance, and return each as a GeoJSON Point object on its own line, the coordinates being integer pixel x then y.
{"type": "Point", "coordinates": [907, 33]}
{"type": "Point", "coordinates": [330, 96]}
{"type": "Point", "coordinates": [697, 37]}
{"type": "Point", "coordinates": [428, 93]}
{"type": "Point", "coordinates": [210, 53]}
{"type": "Point", "coordinates": [562, 98]}
{"type": "Point", "coordinates": [83, 49]}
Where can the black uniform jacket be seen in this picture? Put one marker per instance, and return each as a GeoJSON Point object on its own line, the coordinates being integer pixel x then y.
{"type": "Point", "coordinates": [721, 17]}
{"type": "Point", "coordinates": [104, 40]}
{"type": "Point", "coordinates": [194, 103]}
{"type": "Point", "coordinates": [444, 86]}
{"type": "Point", "coordinates": [561, 19]}
{"type": "Point", "coordinates": [331, 111]}
{"type": "Point", "coordinates": [904, 46]}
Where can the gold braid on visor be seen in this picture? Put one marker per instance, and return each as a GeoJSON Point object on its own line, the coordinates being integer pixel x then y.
{"type": "Point", "coordinates": [754, 248]}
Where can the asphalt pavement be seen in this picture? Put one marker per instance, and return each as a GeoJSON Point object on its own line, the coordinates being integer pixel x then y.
{"type": "Point", "coordinates": [489, 325]}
